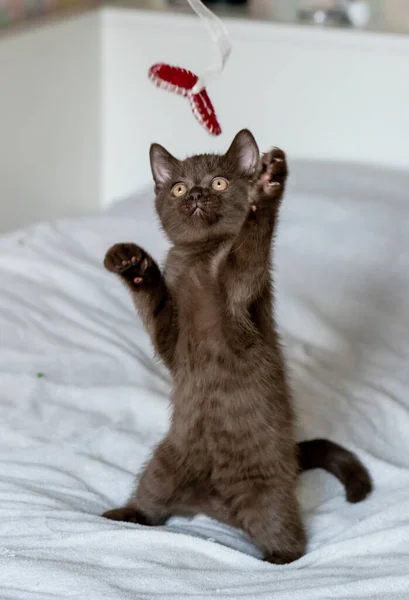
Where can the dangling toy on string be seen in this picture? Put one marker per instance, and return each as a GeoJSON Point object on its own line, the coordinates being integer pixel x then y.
{"type": "Point", "coordinates": [186, 83]}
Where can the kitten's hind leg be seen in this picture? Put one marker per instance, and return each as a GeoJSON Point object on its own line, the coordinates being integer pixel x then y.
{"type": "Point", "coordinates": [167, 486]}
{"type": "Point", "coordinates": [127, 514]}
{"type": "Point", "coordinates": [270, 515]}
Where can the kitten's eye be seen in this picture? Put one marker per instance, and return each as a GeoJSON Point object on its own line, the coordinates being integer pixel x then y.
{"type": "Point", "coordinates": [179, 190]}
{"type": "Point", "coordinates": [220, 184]}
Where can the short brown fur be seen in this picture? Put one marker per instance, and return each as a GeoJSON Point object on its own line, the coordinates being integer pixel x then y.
{"type": "Point", "coordinates": [230, 450]}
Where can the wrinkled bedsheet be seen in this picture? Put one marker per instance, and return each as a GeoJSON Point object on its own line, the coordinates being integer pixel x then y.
{"type": "Point", "coordinates": [82, 402]}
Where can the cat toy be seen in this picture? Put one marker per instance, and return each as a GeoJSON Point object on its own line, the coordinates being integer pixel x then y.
{"type": "Point", "coordinates": [187, 84]}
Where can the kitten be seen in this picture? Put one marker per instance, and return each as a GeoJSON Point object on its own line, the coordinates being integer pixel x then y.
{"type": "Point", "coordinates": [230, 451]}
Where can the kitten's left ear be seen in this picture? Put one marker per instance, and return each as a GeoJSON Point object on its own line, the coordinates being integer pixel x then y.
{"type": "Point", "coordinates": [244, 152]}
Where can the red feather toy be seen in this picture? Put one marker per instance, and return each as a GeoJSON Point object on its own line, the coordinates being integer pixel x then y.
{"type": "Point", "coordinates": [185, 83]}
{"type": "Point", "coordinates": [180, 81]}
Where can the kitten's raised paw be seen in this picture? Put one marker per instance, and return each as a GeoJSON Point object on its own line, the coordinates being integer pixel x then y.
{"type": "Point", "coordinates": [129, 261]}
{"type": "Point", "coordinates": [271, 175]}
{"type": "Point", "coordinates": [126, 514]}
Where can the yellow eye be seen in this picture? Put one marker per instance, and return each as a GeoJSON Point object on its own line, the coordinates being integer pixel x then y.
{"type": "Point", "coordinates": [179, 190]}
{"type": "Point", "coordinates": [220, 184]}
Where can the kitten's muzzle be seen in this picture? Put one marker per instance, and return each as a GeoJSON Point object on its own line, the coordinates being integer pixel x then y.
{"type": "Point", "coordinates": [196, 194]}
{"type": "Point", "coordinates": [197, 199]}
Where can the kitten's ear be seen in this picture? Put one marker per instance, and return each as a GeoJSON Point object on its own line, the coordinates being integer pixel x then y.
{"type": "Point", "coordinates": [244, 152]}
{"type": "Point", "coordinates": [162, 164]}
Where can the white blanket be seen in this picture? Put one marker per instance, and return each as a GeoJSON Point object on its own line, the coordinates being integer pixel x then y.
{"type": "Point", "coordinates": [82, 402]}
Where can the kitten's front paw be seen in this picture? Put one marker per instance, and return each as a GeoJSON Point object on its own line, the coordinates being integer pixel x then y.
{"type": "Point", "coordinates": [270, 177]}
{"type": "Point", "coordinates": [130, 262]}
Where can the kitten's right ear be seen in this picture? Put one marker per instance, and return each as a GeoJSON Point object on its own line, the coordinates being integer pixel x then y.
{"type": "Point", "coordinates": [244, 152]}
{"type": "Point", "coordinates": [162, 164]}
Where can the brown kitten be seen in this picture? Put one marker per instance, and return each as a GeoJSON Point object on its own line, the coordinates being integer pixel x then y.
{"type": "Point", "coordinates": [230, 450]}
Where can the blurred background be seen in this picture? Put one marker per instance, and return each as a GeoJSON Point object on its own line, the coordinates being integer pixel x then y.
{"type": "Point", "coordinates": [386, 15]}
{"type": "Point", "coordinates": [326, 80]}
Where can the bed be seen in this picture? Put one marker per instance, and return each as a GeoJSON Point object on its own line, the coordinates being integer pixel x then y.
{"type": "Point", "coordinates": [83, 401]}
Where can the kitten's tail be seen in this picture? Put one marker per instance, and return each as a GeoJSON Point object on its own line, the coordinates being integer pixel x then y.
{"type": "Point", "coordinates": [323, 454]}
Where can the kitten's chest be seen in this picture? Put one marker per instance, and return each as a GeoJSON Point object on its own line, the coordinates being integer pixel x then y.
{"type": "Point", "coordinates": [198, 300]}
{"type": "Point", "coordinates": [199, 309]}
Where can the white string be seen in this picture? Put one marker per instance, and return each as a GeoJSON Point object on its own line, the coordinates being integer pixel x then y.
{"type": "Point", "coordinates": [219, 34]}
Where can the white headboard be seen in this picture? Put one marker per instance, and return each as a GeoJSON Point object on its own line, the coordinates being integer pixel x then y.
{"type": "Point", "coordinates": [79, 113]}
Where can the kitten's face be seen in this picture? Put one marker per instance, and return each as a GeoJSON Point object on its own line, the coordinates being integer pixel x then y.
{"type": "Point", "coordinates": [204, 197]}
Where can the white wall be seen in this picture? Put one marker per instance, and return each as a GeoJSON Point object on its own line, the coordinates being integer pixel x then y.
{"type": "Point", "coordinates": [318, 93]}
{"type": "Point", "coordinates": [50, 140]}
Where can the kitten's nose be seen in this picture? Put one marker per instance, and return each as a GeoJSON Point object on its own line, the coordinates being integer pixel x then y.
{"type": "Point", "coordinates": [196, 193]}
